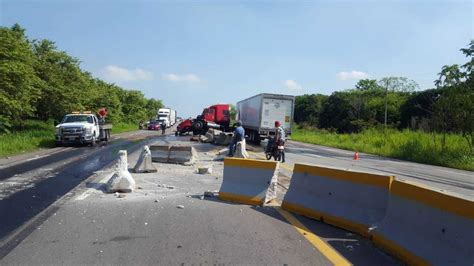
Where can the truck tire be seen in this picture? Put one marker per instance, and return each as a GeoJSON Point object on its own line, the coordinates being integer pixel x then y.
{"type": "Point", "coordinates": [198, 125]}
{"type": "Point", "coordinates": [255, 137]}
{"type": "Point", "coordinates": [94, 141]}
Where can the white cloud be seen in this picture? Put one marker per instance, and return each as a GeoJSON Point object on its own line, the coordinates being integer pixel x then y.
{"type": "Point", "coordinates": [191, 78]}
{"type": "Point", "coordinates": [354, 74]}
{"type": "Point", "coordinates": [117, 74]}
{"type": "Point", "coordinates": [292, 85]}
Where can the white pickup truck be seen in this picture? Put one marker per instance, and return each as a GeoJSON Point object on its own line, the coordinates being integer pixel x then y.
{"type": "Point", "coordinates": [81, 128]}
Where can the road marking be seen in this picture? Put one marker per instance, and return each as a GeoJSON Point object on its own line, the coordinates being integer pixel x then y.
{"type": "Point", "coordinates": [95, 186]}
{"type": "Point", "coordinates": [329, 252]}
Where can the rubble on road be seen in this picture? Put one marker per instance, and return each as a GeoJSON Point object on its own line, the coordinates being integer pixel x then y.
{"type": "Point", "coordinates": [205, 170]}
{"type": "Point", "coordinates": [211, 194]}
{"type": "Point", "coordinates": [180, 207]}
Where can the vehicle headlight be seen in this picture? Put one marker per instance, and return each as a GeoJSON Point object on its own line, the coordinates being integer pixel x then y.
{"type": "Point", "coordinates": [58, 130]}
{"type": "Point", "coordinates": [88, 131]}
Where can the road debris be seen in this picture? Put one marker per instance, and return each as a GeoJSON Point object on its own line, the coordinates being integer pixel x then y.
{"type": "Point", "coordinates": [180, 207]}
{"type": "Point", "coordinates": [211, 193]}
{"type": "Point", "coordinates": [205, 170]}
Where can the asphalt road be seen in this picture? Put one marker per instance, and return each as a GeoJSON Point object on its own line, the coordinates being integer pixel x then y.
{"type": "Point", "coordinates": [53, 210]}
{"type": "Point", "coordinates": [89, 226]}
{"type": "Point", "coordinates": [30, 183]}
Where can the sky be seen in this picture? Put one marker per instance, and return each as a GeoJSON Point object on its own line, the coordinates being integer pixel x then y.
{"type": "Point", "coordinates": [192, 54]}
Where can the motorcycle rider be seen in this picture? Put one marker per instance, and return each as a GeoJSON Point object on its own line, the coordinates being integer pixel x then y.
{"type": "Point", "coordinates": [280, 138]}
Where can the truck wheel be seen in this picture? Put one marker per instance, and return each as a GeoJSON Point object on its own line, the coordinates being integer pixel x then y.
{"type": "Point", "coordinates": [256, 137]}
{"type": "Point", "coordinates": [94, 141]}
{"type": "Point", "coordinates": [198, 125]}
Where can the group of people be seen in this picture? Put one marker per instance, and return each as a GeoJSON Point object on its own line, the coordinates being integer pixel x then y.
{"type": "Point", "coordinates": [278, 140]}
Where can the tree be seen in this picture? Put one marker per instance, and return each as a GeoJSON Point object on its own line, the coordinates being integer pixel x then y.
{"type": "Point", "coordinates": [18, 82]}
{"type": "Point", "coordinates": [152, 107]}
{"type": "Point", "coordinates": [450, 75]}
{"type": "Point", "coordinates": [308, 108]}
{"type": "Point", "coordinates": [396, 84]}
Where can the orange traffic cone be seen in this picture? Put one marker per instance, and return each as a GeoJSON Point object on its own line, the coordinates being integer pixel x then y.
{"type": "Point", "coordinates": [356, 155]}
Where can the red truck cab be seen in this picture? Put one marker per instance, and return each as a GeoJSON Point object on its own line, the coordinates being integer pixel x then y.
{"type": "Point", "coordinates": [218, 113]}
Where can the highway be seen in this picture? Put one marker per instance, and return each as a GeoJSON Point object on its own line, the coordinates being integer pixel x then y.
{"type": "Point", "coordinates": [456, 181]}
{"type": "Point", "coordinates": [61, 214]}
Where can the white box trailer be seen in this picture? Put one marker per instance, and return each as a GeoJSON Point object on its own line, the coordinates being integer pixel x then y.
{"type": "Point", "coordinates": [259, 113]}
{"type": "Point", "coordinates": [167, 115]}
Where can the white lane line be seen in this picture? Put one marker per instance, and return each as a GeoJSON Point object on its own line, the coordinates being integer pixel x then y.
{"type": "Point", "coordinates": [94, 186]}
{"type": "Point", "coordinates": [37, 157]}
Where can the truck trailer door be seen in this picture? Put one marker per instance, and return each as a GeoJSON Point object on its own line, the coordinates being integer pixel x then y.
{"type": "Point", "coordinates": [276, 110]}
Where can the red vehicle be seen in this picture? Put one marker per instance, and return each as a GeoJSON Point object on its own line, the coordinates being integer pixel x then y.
{"type": "Point", "coordinates": [215, 116]}
{"type": "Point", "coordinates": [154, 125]}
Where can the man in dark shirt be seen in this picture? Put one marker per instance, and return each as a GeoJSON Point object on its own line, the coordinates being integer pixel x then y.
{"type": "Point", "coordinates": [239, 135]}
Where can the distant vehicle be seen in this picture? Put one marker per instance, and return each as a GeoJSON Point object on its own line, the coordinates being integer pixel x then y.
{"type": "Point", "coordinates": [154, 125]}
{"type": "Point", "coordinates": [259, 113]}
{"type": "Point", "coordinates": [215, 116]}
{"type": "Point", "coordinates": [83, 128]}
{"type": "Point", "coordinates": [167, 115]}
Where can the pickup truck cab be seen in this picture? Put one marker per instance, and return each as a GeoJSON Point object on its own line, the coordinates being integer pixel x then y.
{"type": "Point", "coordinates": [79, 128]}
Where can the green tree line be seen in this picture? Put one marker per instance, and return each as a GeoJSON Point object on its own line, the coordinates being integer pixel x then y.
{"type": "Point", "coordinates": [396, 102]}
{"type": "Point", "coordinates": [38, 81]}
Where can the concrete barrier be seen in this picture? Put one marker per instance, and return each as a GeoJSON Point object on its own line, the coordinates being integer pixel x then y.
{"type": "Point", "coordinates": [121, 180]}
{"type": "Point", "coordinates": [248, 181]}
{"type": "Point", "coordinates": [240, 150]}
{"type": "Point", "coordinates": [160, 153]}
{"type": "Point", "coordinates": [144, 164]}
{"type": "Point", "coordinates": [424, 226]}
{"type": "Point", "coordinates": [182, 155]}
{"type": "Point", "coordinates": [351, 200]}
{"type": "Point", "coordinates": [185, 155]}
{"type": "Point", "coordinates": [223, 139]}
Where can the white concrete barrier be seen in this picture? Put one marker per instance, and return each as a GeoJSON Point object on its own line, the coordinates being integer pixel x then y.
{"type": "Point", "coordinates": [424, 226]}
{"type": "Point", "coordinates": [121, 180]}
{"type": "Point", "coordinates": [351, 200]}
{"type": "Point", "coordinates": [185, 155]}
{"type": "Point", "coordinates": [240, 151]}
{"type": "Point", "coordinates": [144, 164]}
{"type": "Point", "coordinates": [249, 181]}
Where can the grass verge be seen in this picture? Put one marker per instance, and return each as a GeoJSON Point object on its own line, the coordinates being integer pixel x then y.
{"type": "Point", "coordinates": [415, 146]}
{"type": "Point", "coordinates": [123, 127]}
{"type": "Point", "coordinates": [39, 134]}
{"type": "Point", "coordinates": [34, 135]}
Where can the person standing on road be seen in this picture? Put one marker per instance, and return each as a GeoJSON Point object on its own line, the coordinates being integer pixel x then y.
{"type": "Point", "coordinates": [280, 138]}
{"type": "Point", "coordinates": [163, 128]}
{"type": "Point", "coordinates": [239, 135]}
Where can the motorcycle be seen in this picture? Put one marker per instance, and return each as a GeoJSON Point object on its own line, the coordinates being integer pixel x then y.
{"type": "Point", "coordinates": [273, 150]}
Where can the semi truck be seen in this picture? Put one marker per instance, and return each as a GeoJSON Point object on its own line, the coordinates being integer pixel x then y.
{"type": "Point", "coordinates": [215, 116]}
{"type": "Point", "coordinates": [167, 116]}
{"type": "Point", "coordinates": [259, 113]}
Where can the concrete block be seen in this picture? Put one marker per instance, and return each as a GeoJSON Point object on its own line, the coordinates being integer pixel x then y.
{"type": "Point", "coordinates": [247, 181]}
{"type": "Point", "coordinates": [240, 151]}
{"type": "Point", "coordinates": [144, 164]}
{"type": "Point", "coordinates": [348, 199]}
{"type": "Point", "coordinates": [121, 180]}
{"type": "Point", "coordinates": [185, 155]}
{"type": "Point", "coordinates": [424, 226]}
